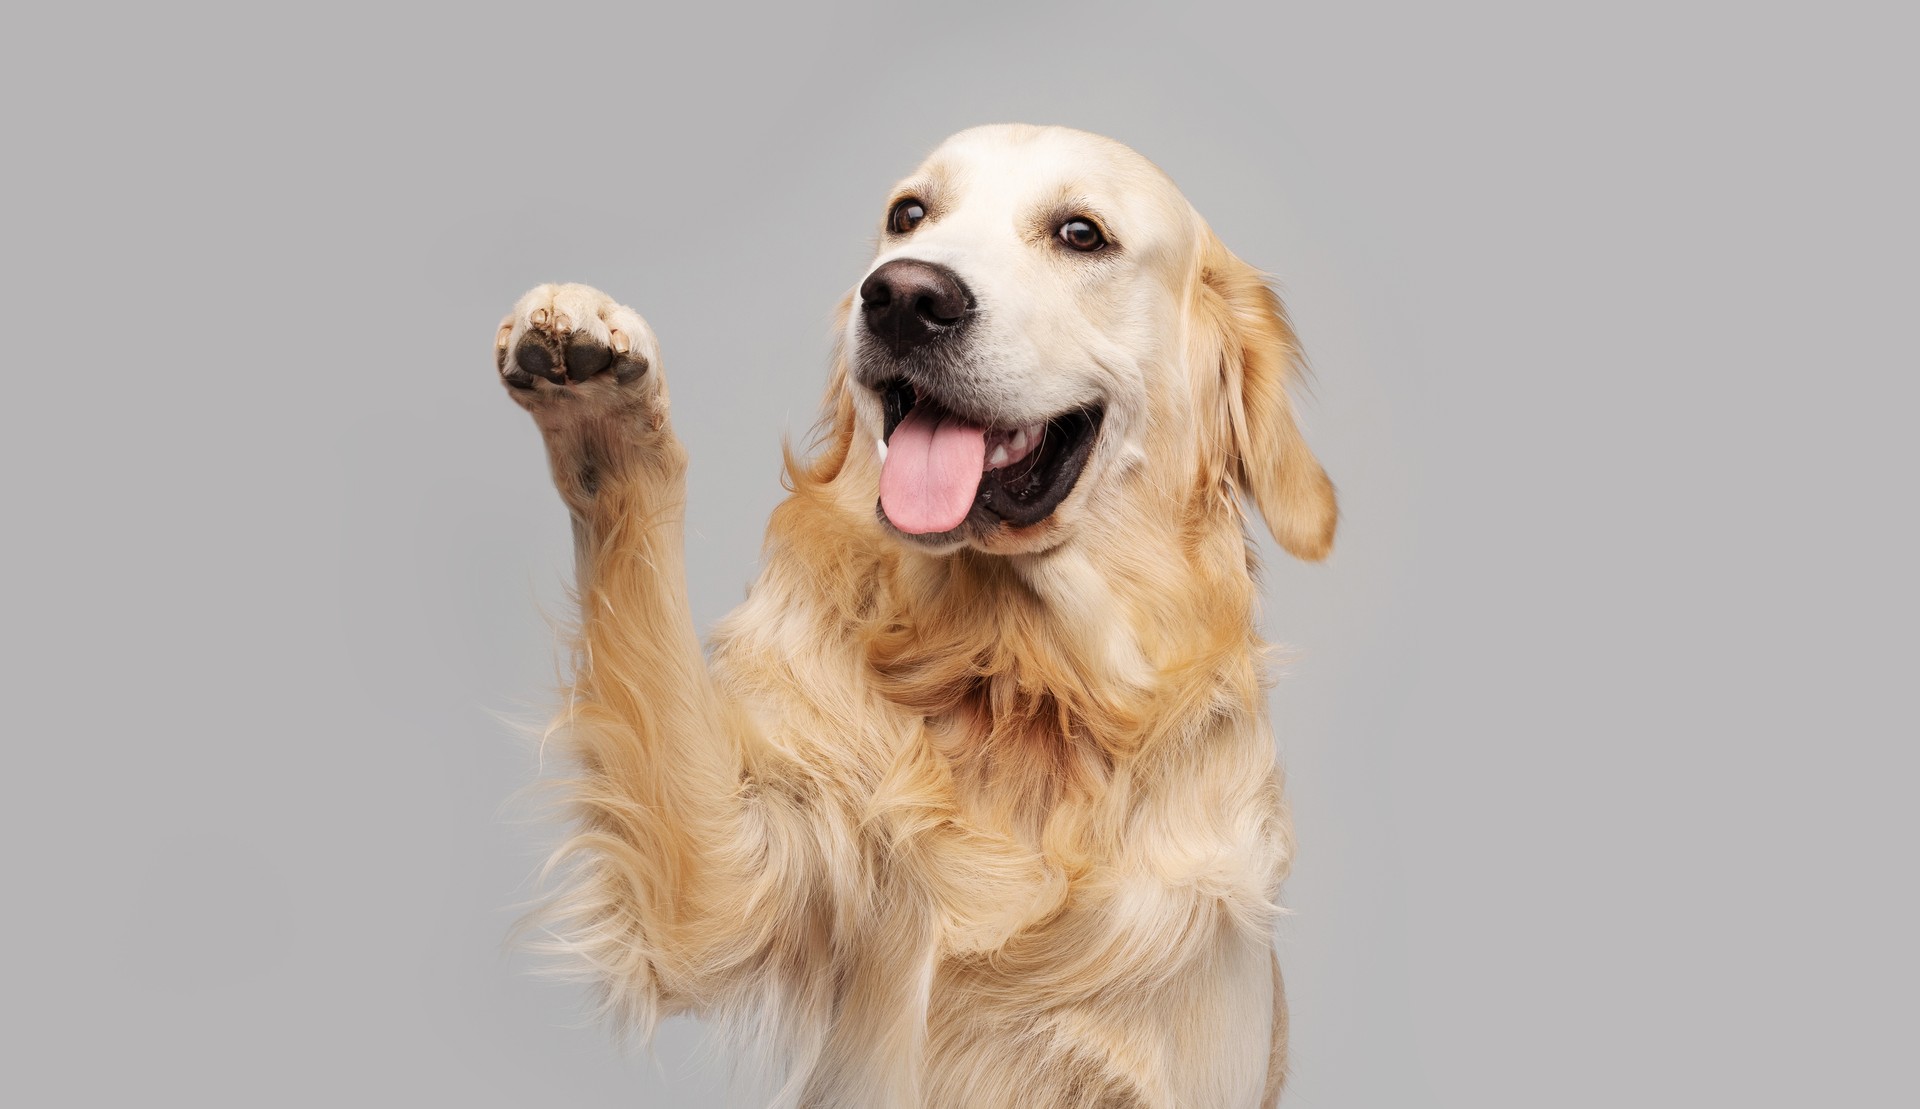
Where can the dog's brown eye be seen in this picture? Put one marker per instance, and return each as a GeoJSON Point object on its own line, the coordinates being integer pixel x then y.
{"type": "Point", "coordinates": [905, 216]}
{"type": "Point", "coordinates": [1082, 235]}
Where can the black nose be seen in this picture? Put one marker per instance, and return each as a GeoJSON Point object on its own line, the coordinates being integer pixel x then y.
{"type": "Point", "coordinates": [907, 303]}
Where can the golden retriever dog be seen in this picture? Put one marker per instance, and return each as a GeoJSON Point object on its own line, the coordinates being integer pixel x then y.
{"type": "Point", "coordinates": [974, 802]}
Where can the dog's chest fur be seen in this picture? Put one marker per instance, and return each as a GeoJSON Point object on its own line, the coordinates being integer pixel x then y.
{"type": "Point", "coordinates": [1074, 849]}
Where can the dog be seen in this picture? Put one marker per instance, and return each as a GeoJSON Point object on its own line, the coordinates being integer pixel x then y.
{"type": "Point", "coordinates": [975, 801]}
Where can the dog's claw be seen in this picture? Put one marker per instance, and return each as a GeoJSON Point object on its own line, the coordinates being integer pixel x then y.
{"type": "Point", "coordinates": [538, 318]}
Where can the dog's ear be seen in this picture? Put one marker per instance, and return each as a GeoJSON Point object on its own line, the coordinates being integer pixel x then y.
{"type": "Point", "coordinates": [1258, 357]}
{"type": "Point", "coordinates": [832, 436]}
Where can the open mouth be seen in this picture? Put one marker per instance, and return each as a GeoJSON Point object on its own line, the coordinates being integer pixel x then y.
{"type": "Point", "coordinates": [939, 470]}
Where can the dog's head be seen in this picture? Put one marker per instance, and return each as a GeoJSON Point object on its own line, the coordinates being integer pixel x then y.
{"type": "Point", "coordinates": [1050, 335]}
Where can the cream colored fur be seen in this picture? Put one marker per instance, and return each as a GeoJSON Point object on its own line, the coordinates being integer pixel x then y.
{"type": "Point", "coordinates": [995, 824]}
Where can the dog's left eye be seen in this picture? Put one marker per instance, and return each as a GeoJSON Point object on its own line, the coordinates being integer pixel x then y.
{"type": "Point", "coordinates": [906, 216]}
{"type": "Point", "coordinates": [1082, 235]}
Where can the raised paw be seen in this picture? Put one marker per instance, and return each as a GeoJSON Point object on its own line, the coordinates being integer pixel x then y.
{"type": "Point", "coordinates": [588, 370]}
{"type": "Point", "coordinates": [569, 345]}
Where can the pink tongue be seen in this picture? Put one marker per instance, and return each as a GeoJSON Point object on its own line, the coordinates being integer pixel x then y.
{"type": "Point", "coordinates": [932, 471]}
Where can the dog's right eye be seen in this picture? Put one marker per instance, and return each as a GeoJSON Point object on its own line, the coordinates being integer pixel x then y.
{"type": "Point", "coordinates": [906, 216]}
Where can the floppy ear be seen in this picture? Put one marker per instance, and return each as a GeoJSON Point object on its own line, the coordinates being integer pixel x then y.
{"type": "Point", "coordinates": [1258, 357]}
{"type": "Point", "coordinates": [832, 436]}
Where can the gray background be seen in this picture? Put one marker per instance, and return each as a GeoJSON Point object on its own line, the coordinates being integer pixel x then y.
{"type": "Point", "coordinates": [1600, 730]}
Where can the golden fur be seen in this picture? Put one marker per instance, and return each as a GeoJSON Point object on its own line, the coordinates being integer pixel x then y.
{"type": "Point", "coordinates": [958, 828]}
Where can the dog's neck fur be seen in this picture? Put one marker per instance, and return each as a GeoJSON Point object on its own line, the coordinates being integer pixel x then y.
{"type": "Point", "coordinates": [1068, 642]}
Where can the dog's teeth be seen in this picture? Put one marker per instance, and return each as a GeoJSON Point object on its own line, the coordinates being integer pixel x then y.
{"type": "Point", "coordinates": [881, 445]}
{"type": "Point", "coordinates": [999, 456]}
{"type": "Point", "coordinates": [1019, 440]}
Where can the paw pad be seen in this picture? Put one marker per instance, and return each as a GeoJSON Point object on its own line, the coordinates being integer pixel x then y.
{"type": "Point", "coordinates": [566, 357]}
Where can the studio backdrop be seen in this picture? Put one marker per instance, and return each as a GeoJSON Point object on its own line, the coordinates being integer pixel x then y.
{"type": "Point", "coordinates": [1588, 721]}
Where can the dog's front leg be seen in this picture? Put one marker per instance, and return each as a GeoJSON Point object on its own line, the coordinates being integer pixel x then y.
{"type": "Point", "coordinates": [688, 874]}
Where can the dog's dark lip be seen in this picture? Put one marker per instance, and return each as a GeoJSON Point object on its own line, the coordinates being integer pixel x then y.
{"type": "Point", "coordinates": [1020, 494]}
{"type": "Point", "coordinates": [896, 397]}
